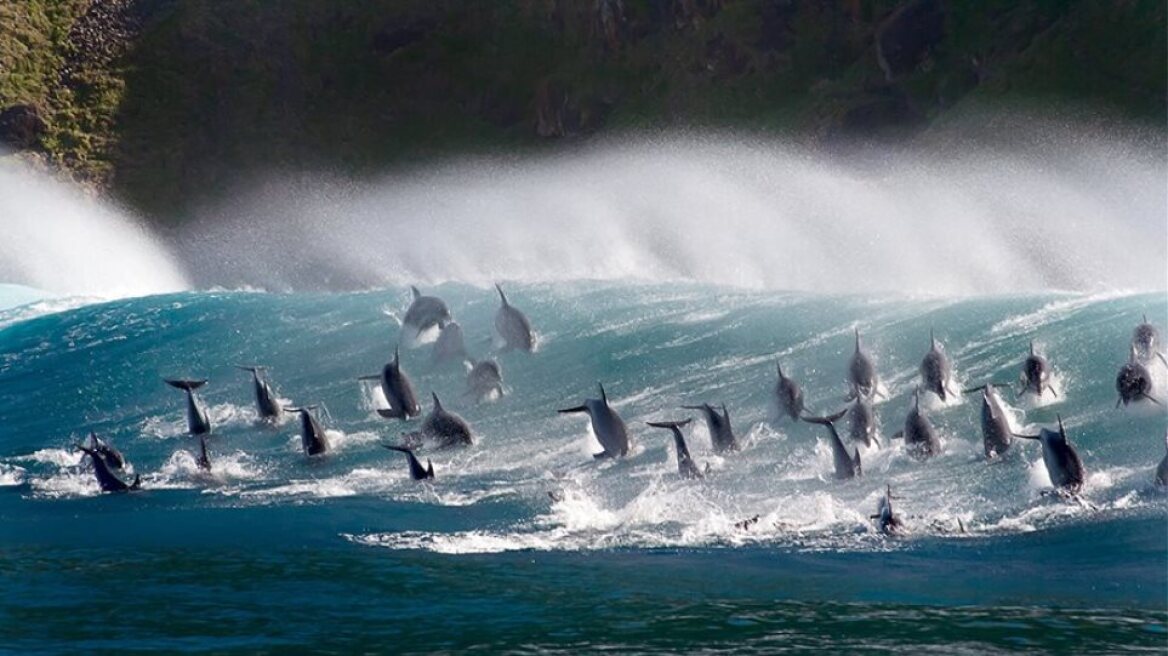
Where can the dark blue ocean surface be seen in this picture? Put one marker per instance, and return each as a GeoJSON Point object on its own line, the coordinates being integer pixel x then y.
{"type": "Point", "coordinates": [524, 543]}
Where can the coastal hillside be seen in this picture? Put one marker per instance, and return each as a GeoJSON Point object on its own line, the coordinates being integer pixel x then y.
{"type": "Point", "coordinates": [166, 104]}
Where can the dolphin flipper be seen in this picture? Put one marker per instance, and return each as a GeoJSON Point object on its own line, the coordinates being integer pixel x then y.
{"type": "Point", "coordinates": [579, 408]}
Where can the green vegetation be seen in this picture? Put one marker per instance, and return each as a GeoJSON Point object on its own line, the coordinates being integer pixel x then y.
{"type": "Point", "coordinates": [170, 103]}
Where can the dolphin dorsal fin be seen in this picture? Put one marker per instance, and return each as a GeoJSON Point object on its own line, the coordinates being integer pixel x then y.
{"type": "Point", "coordinates": [417, 294]}
{"type": "Point", "coordinates": [396, 356]}
{"type": "Point", "coordinates": [857, 329]}
{"type": "Point", "coordinates": [437, 403]}
{"type": "Point", "coordinates": [917, 398]}
{"type": "Point", "coordinates": [502, 296]}
{"type": "Point", "coordinates": [725, 413]}
{"type": "Point", "coordinates": [1062, 430]}
{"type": "Point", "coordinates": [603, 396]}
{"type": "Point", "coordinates": [1031, 347]}
{"type": "Point", "coordinates": [779, 366]}
{"type": "Point", "coordinates": [932, 339]}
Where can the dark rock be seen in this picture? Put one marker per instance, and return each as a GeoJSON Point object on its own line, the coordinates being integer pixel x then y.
{"type": "Point", "coordinates": [390, 40]}
{"type": "Point", "coordinates": [908, 35]}
{"type": "Point", "coordinates": [880, 114]}
{"type": "Point", "coordinates": [21, 126]}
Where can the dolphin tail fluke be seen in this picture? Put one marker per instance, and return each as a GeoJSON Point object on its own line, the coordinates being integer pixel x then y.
{"type": "Point", "coordinates": [388, 413]}
{"type": "Point", "coordinates": [579, 408]}
{"type": "Point", "coordinates": [429, 468]}
{"type": "Point", "coordinates": [399, 449]}
{"type": "Point", "coordinates": [601, 456]}
{"type": "Point", "coordinates": [182, 384]}
{"type": "Point", "coordinates": [824, 421]}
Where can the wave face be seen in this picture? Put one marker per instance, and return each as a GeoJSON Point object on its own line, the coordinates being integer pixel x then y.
{"type": "Point", "coordinates": [347, 551]}
{"type": "Point", "coordinates": [57, 240]}
{"type": "Point", "coordinates": [1082, 214]}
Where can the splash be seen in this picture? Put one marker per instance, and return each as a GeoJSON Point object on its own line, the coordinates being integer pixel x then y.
{"type": "Point", "coordinates": [60, 242]}
{"type": "Point", "coordinates": [1081, 215]}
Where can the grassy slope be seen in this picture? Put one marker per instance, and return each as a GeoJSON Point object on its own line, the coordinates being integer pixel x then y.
{"type": "Point", "coordinates": [214, 88]}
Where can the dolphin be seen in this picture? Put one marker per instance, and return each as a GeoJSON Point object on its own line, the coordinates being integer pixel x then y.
{"type": "Point", "coordinates": [1035, 374]}
{"type": "Point", "coordinates": [862, 422]}
{"type": "Point", "coordinates": [789, 395]}
{"type": "Point", "coordinates": [1061, 460]}
{"type": "Point", "coordinates": [203, 461]}
{"type": "Point", "coordinates": [425, 312]}
{"type": "Point", "coordinates": [399, 393]}
{"type": "Point", "coordinates": [267, 405]}
{"type": "Point", "coordinates": [112, 457]}
{"type": "Point", "coordinates": [1146, 342]}
{"type": "Point", "coordinates": [935, 368]}
{"type": "Point", "coordinates": [862, 372]}
{"type": "Point", "coordinates": [417, 472]}
{"type": "Point", "coordinates": [483, 379]}
{"type": "Point", "coordinates": [312, 435]}
{"type": "Point", "coordinates": [995, 424]}
{"type": "Point", "coordinates": [920, 439]}
{"type": "Point", "coordinates": [449, 345]}
{"type": "Point", "coordinates": [887, 520]}
{"type": "Point", "coordinates": [607, 425]}
{"type": "Point", "coordinates": [448, 428]}
{"type": "Point", "coordinates": [685, 464]}
{"type": "Point", "coordinates": [1133, 382]}
{"type": "Point", "coordinates": [513, 326]}
{"type": "Point", "coordinates": [108, 481]}
{"type": "Point", "coordinates": [197, 421]}
{"type": "Point", "coordinates": [846, 466]}
{"type": "Point", "coordinates": [1162, 469]}
{"type": "Point", "coordinates": [721, 433]}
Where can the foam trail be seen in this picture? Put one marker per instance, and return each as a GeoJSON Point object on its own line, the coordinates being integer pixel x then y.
{"type": "Point", "coordinates": [57, 240]}
{"type": "Point", "coordinates": [1078, 216]}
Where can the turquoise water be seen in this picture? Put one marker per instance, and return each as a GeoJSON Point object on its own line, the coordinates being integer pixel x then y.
{"type": "Point", "coordinates": [345, 553]}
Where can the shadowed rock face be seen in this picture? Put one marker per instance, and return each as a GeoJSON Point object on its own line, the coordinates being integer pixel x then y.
{"type": "Point", "coordinates": [908, 35]}
{"type": "Point", "coordinates": [21, 126]}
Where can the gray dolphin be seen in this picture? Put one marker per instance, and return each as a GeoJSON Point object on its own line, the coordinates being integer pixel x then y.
{"type": "Point", "coordinates": [1162, 469]}
{"type": "Point", "coordinates": [935, 368]}
{"type": "Point", "coordinates": [685, 464]}
{"type": "Point", "coordinates": [112, 457]}
{"type": "Point", "coordinates": [721, 433]}
{"type": "Point", "coordinates": [483, 379]}
{"type": "Point", "coordinates": [106, 479]}
{"type": "Point", "coordinates": [995, 424]}
{"type": "Point", "coordinates": [203, 461]}
{"type": "Point", "coordinates": [398, 390]}
{"type": "Point", "coordinates": [920, 438]}
{"type": "Point", "coordinates": [862, 422]}
{"type": "Point", "coordinates": [862, 372]}
{"type": "Point", "coordinates": [607, 425]}
{"type": "Point", "coordinates": [197, 421]}
{"type": "Point", "coordinates": [267, 404]}
{"type": "Point", "coordinates": [1146, 342]}
{"type": "Point", "coordinates": [447, 428]}
{"type": "Point", "coordinates": [1035, 374]}
{"type": "Point", "coordinates": [1134, 382]}
{"type": "Point", "coordinates": [887, 520]}
{"type": "Point", "coordinates": [449, 345]}
{"type": "Point", "coordinates": [425, 312]}
{"type": "Point", "coordinates": [1061, 460]}
{"type": "Point", "coordinates": [312, 436]}
{"type": "Point", "coordinates": [846, 466]}
{"type": "Point", "coordinates": [513, 326]}
{"type": "Point", "coordinates": [788, 395]}
{"type": "Point", "coordinates": [417, 471]}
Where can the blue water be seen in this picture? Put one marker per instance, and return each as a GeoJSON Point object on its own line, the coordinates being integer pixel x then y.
{"type": "Point", "coordinates": [345, 553]}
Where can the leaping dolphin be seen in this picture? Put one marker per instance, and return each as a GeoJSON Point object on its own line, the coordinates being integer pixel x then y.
{"type": "Point", "coordinates": [448, 428]}
{"type": "Point", "coordinates": [862, 422]}
{"type": "Point", "coordinates": [112, 457]}
{"type": "Point", "coordinates": [312, 436]}
{"type": "Point", "coordinates": [685, 464]}
{"type": "Point", "coordinates": [887, 520]}
{"type": "Point", "coordinates": [449, 345]}
{"type": "Point", "coordinates": [721, 433]}
{"type": "Point", "coordinates": [399, 393]}
{"type": "Point", "coordinates": [920, 439]}
{"type": "Point", "coordinates": [995, 424]}
{"type": "Point", "coordinates": [607, 425]}
{"type": "Point", "coordinates": [197, 421]}
{"type": "Point", "coordinates": [106, 479]}
{"type": "Point", "coordinates": [267, 405]}
{"type": "Point", "coordinates": [862, 372]}
{"type": "Point", "coordinates": [1162, 470]}
{"type": "Point", "coordinates": [846, 466]}
{"type": "Point", "coordinates": [425, 312]}
{"type": "Point", "coordinates": [1035, 374]}
{"type": "Point", "coordinates": [513, 326]}
{"type": "Point", "coordinates": [483, 379]}
{"type": "Point", "coordinates": [789, 395]}
{"type": "Point", "coordinates": [1146, 342]}
{"type": "Point", "coordinates": [935, 368]}
{"type": "Point", "coordinates": [1061, 460]}
{"type": "Point", "coordinates": [1134, 382]}
{"type": "Point", "coordinates": [417, 471]}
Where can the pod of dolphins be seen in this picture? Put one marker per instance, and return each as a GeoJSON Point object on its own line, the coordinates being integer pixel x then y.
{"type": "Point", "coordinates": [445, 429]}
